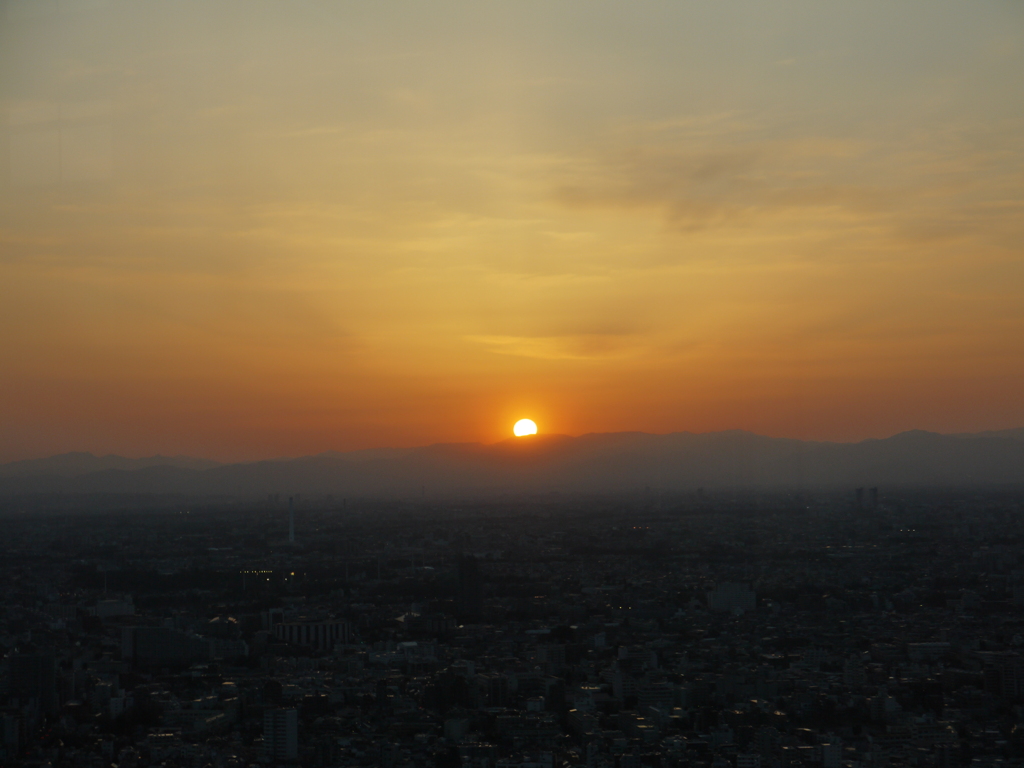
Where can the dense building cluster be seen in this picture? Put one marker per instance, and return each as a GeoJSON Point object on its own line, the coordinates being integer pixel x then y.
{"type": "Point", "coordinates": [649, 631]}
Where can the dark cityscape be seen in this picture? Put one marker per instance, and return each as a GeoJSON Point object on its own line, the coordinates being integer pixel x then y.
{"type": "Point", "coordinates": [863, 629]}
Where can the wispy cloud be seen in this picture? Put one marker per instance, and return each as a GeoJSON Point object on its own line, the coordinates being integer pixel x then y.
{"type": "Point", "coordinates": [571, 347]}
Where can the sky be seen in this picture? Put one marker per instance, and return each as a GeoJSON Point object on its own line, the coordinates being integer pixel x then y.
{"type": "Point", "coordinates": [252, 229]}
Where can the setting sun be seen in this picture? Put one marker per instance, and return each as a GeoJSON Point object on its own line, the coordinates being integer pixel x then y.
{"type": "Point", "coordinates": [524, 427]}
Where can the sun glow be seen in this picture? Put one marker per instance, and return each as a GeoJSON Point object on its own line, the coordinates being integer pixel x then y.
{"type": "Point", "coordinates": [524, 427]}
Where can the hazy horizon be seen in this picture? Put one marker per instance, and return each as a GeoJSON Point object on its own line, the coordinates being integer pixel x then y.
{"type": "Point", "coordinates": [510, 439]}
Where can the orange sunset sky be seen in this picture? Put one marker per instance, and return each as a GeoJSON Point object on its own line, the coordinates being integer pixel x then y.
{"type": "Point", "coordinates": [252, 229]}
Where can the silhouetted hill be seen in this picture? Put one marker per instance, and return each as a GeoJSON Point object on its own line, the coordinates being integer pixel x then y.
{"type": "Point", "coordinates": [588, 463]}
{"type": "Point", "coordinates": [1011, 434]}
{"type": "Point", "coordinates": [80, 463]}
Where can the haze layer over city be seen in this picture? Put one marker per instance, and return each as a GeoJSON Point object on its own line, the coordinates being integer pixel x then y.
{"type": "Point", "coordinates": [511, 385]}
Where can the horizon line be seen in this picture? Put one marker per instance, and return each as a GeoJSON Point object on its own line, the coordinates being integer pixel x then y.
{"type": "Point", "coordinates": [539, 435]}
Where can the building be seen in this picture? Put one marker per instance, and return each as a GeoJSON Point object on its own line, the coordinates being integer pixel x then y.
{"type": "Point", "coordinates": [280, 735]}
{"type": "Point", "coordinates": [162, 645]}
{"type": "Point", "coordinates": [733, 598]}
{"type": "Point", "coordinates": [34, 679]}
{"type": "Point", "coordinates": [108, 609]}
{"type": "Point", "coordinates": [831, 754]}
{"type": "Point", "coordinates": [659, 694]}
{"type": "Point", "coordinates": [10, 737]}
{"type": "Point", "coordinates": [222, 648]}
{"type": "Point", "coordinates": [291, 520]}
{"type": "Point", "coordinates": [321, 635]}
{"type": "Point", "coordinates": [470, 599]}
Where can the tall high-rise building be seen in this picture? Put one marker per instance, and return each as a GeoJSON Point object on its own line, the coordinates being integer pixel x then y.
{"type": "Point", "coordinates": [34, 678]}
{"type": "Point", "coordinates": [470, 603]}
{"type": "Point", "coordinates": [280, 734]}
{"type": "Point", "coordinates": [291, 519]}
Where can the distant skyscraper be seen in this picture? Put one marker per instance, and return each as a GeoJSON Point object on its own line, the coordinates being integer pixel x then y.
{"type": "Point", "coordinates": [280, 734]}
{"type": "Point", "coordinates": [470, 591]}
{"type": "Point", "coordinates": [34, 678]}
{"type": "Point", "coordinates": [291, 519]}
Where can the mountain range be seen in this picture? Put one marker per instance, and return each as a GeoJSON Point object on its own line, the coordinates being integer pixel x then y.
{"type": "Point", "coordinates": [609, 462]}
